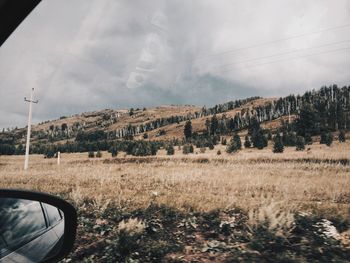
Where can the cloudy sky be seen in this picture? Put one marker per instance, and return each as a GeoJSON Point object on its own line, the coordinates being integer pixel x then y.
{"type": "Point", "coordinates": [83, 55]}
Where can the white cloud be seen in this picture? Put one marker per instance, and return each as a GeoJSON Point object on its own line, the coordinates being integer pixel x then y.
{"type": "Point", "coordinates": [82, 55]}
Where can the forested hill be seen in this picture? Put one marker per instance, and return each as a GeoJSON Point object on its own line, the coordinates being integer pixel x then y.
{"type": "Point", "coordinates": [312, 113]}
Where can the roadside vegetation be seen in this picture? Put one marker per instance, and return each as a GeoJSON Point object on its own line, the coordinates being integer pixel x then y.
{"type": "Point", "coordinates": [254, 180]}
{"type": "Point", "coordinates": [249, 206]}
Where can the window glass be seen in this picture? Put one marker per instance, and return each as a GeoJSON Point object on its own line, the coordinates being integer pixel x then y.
{"type": "Point", "coordinates": [21, 221]}
{"type": "Point", "coordinates": [53, 214]}
{"type": "Point", "coordinates": [2, 244]}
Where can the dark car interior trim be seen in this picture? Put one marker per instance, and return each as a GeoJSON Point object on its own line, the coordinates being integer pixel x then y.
{"type": "Point", "coordinates": [12, 13]}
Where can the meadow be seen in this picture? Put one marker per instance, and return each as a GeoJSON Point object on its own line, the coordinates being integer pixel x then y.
{"type": "Point", "coordinates": [267, 188]}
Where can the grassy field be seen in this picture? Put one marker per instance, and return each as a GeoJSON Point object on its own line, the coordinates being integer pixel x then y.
{"type": "Point", "coordinates": [267, 189]}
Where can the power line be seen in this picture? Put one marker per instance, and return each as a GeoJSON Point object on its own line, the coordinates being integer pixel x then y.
{"type": "Point", "coordinates": [281, 54]}
{"type": "Point", "coordinates": [273, 42]}
{"type": "Point", "coordinates": [282, 60]}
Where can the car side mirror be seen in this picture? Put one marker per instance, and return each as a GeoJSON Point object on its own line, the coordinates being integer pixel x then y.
{"type": "Point", "coordinates": [35, 227]}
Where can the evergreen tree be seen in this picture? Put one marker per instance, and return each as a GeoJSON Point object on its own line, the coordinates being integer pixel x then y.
{"type": "Point", "coordinates": [154, 149]}
{"type": "Point", "coordinates": [170, 150]}
{"type": "Point", "coordinates": [215, 139]}
{"type": "Point", "coordinates": [20, 149]}
{"type": "Point", "coordinates": [326, 138]}
{"type": "Point", "coordinates": [341, 136]}
{"type": "Point", "coordinates": [278, 146]}
{"type": "Point", "coordinates": [214, 124]}
{"type": "Point", "coordinates": [300, 143]}
{"type": "Point", "coordinates": [139, 148]}
{"type": "Point", "coordinates": [329, 140]}
{"type": "Point", "coordinates": [289, 138]}
{"type": "Point", "coordinates": [237, 141]}
{"type": "Point", "coordinates": [308, 121]}
{"type": "Point", "coordinates": [260, 140]}
{"type": "Point", "coordinates": [254, 128]}
{"type": "Point", "coordinates": [91, 154]}
{"type": "Point", "coordinates": [114, 151]}
{"type": "Point", "coordinates": [247, 143]}
{"type": "Point", "coordinates": [323, 139]}
{"type": "Point", "coordinates": [207, 126]}
{"type": "Point", "coordinates": [234, 145]}
{"type": "Point", "coordinates": [257, 135]}
{"type": "Point", "coordinates": [188, 129]}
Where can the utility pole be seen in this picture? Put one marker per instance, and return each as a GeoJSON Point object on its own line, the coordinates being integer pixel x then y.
{"type": "Point", "coordinates": [58, 158]}
{"type": "Point", "coordinates": [31, 101]}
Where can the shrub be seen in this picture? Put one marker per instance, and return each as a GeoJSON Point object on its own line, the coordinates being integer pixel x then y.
{"type": "Point", "coordinates": [326, 138]}
{"type": "Point", "coordinates": [170, 150]}
{"type": "Point", "coordinates": [50, 153]}
{"type": "Point", "coordinates": [223, 141]}
{"type": "Point", "coordinates": [308, 139]}
{"type": "Point", "coordinates": [145, 136]}
{"type": "Point", "coordinates": [218, 152]}
{"type": "Point", "coordinates": [211, 146]}
{"type": "Point", "coordinates": [91, 154]}
{"type": "Point", "coordinates": [247, 143]}
{"type": "Point", "coordinates": [300, 143]}
{"type": "Point", "coordinates": [341, 136]}
{"type": "Point", "coordinates": [186, 149]}
{"type": "Point", "coordinates": [278, 146]}
{"type": "Point", "coordinates": [289, 138]}
{"type": "Point", "coordinates": [141, 148]}
{"type": "Point", "coordinates": [98, 154]}
{"type": "Point", "coordinates": [161, 133]}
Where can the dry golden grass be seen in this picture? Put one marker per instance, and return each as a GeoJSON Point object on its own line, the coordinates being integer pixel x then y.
{"type": "Point", "coordinates": [202, 181]}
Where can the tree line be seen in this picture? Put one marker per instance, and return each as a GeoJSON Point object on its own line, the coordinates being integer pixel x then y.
{"type": "Point", "coordinates": [321, 112]}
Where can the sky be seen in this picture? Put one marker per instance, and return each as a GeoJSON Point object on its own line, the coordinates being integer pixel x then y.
{"type": "Point", "coordinates": [85, 55]}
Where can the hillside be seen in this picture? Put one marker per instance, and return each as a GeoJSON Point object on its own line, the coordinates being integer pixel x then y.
{"type": "Point", "coordinates": [170, 118]}
{"type": "Point", "coordinates": [322, 111]}
{"type": "Point", "coordinates": [198, 124]}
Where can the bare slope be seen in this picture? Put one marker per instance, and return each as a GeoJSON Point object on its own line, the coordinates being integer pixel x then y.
{"type": "Point", "coordinates": [110, 120]}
